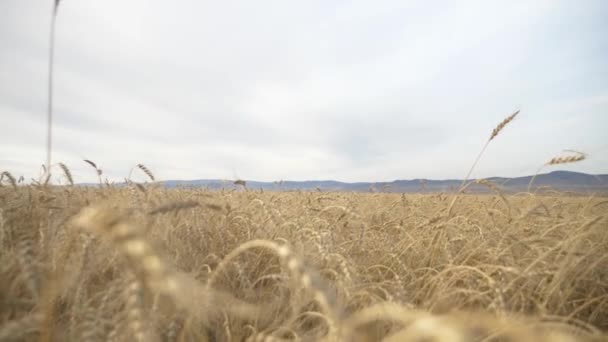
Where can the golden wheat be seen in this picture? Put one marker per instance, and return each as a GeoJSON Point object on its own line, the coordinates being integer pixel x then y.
{"type": "Point", "coordinates": [196, 265]}
{"type": "Point", "coordinates": [493, 135]}
{"type": "Point", "coordinates": [503, 124]}
{"type": "Point", "coordinates": [567, 159]}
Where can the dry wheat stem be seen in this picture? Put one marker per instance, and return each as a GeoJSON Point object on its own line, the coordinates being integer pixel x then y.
{"type": "Point", "coordinates": [66, 173]}
{"type": "Point", "coordinates": [10, 177]}
{"type": "Point", "coordinates": [494, 134]}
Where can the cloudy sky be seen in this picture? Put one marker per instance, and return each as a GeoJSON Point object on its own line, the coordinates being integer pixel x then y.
{"type": "Point", "coordinates": [269, 90]}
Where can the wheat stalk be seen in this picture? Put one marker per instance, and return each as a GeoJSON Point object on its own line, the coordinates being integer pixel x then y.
{"type": "Point", "coordinates": [98, 171]}
{"type": "Point", "coordinates": [494, 134]}
{"type": "Point", "coordinates": [497, 190]}
{"type": "Point", "coordinates": [67, 173]}
{"type": "Point", "coordinates": [301, 276]}
{"type": "Point", "coordinates": [559, 160]}
{"type": "Point", "coordinates": [49, 136]}
{"type": "Point", "coordinates": [93, 165]}
{"type": "Point", "coordinates": [146, 171]}
{"type": "Point", "coordinates": [29, 269]}
{"type": "Point", "coordinates": [10, 177]}
{"type": "Point", "coordinates": [135, 309]}
{"type": "Point", "coordinates": [503, 124]}
{"type": "Point", "coordinates": [131, 241]}
{"type": "Point", "coordinates": [145, 260]}
{"type": "Point", "coordinates": [566, 159]}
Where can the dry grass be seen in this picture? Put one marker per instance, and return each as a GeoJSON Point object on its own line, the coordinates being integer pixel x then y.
{"type": "Point", "coordinates": [115, 263]}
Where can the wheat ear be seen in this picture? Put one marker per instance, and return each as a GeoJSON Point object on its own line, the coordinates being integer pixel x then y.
{"type": "Point", "coordinates": [98, 171]}
{"type": "Point", "coordinates": [67, 173]}
{"type": "Point", "coordinates": [494, 134]}
{"type": "Point", "coordinates": [146, 171]}
{"type": "Point", "coordinates": [10, 177]}
{"type": "Point", "coordinates": [564, 159]}
{"type": "Point", "coordinates": [503, 124]}
{"type": "Point", "coordinates": [567, 159]}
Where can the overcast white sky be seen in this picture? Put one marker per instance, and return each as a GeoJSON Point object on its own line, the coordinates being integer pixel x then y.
{"type": "Point", "coordinates": [269, 90]}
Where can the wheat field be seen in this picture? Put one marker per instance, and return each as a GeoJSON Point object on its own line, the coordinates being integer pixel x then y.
{"type": "Point", "coordinates": [143, 263]}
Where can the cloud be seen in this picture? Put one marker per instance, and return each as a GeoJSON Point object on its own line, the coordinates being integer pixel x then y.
{"type": "Point", "coordinates": [274, 90]}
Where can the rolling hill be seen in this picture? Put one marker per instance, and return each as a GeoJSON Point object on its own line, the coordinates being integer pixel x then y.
{"type": "Point", "coordinates": [556, 180]}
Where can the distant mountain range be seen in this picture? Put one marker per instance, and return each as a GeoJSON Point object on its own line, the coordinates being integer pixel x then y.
{"type": "Point", "coordinates": [557, 180]}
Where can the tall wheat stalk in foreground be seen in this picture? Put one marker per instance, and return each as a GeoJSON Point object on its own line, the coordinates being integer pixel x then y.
{"type": "Point", "coordinates": [49, 124]}
{"type": "Point", "coordinates": [494, 134]}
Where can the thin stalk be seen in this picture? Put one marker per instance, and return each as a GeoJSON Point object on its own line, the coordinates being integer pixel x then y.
{"type": "Point", "coordinates": [533, 178]}
{"type": "Point", "coordinates": [474, 164]}
{"type": "Point", "coordinates": [49, 124]}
